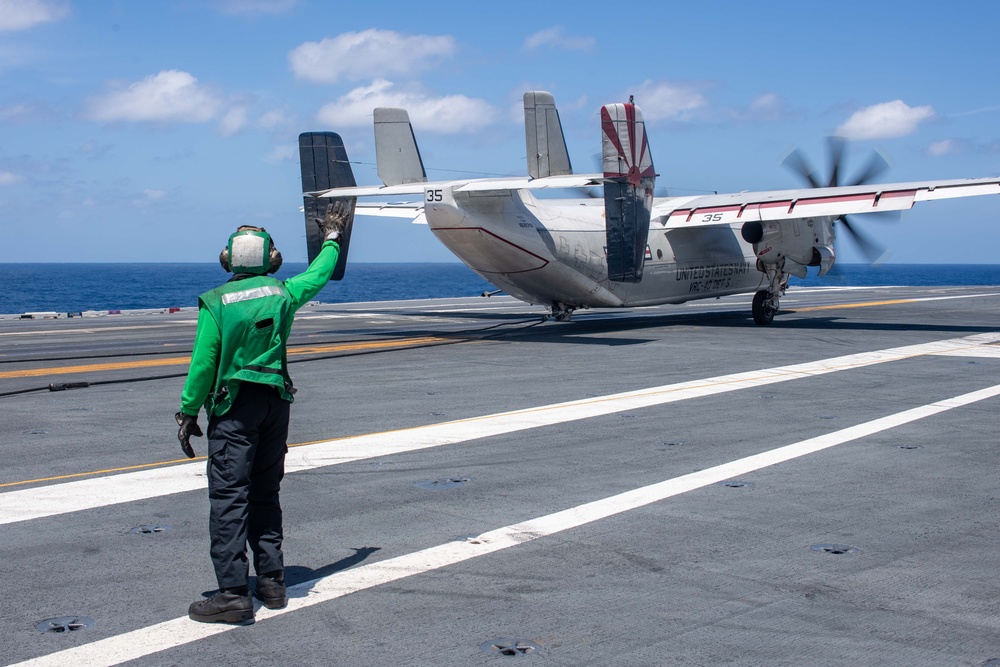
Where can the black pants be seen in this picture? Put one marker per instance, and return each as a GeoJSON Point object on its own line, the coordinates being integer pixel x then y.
{"type": "Point", "coordinates": [246, 461]}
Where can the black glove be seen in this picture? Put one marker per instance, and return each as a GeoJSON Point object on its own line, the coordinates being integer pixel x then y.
{"type": "Point", "coordinates": [332, 226]}
{"type": "Point", "coordinates": [188, 427]}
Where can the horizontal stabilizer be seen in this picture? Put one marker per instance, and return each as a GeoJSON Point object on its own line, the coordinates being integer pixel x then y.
{"type": "Point", "coordinates": [473, 185]}
{"type": "Point", "coordinates": [396, 149]}
{"type": "Point", "coordinates": [412, 211]}
{"type": "Point", "coordinates": [628, 189]}
{"type": "Point", "coordinates": [325, 165]}
{"type": "Point", "coordinates": [547, 154]}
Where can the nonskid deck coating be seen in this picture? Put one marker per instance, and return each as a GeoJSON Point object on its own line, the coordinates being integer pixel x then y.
{"type": "Point", "coordinates": [678, 581]}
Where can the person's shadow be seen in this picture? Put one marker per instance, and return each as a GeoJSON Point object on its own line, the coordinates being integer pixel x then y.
{"type": "Point", "coordinates": [296, 574]}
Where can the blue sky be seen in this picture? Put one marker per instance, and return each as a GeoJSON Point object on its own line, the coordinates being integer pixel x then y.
{"type": "Point", "coordinates": [147, 131]}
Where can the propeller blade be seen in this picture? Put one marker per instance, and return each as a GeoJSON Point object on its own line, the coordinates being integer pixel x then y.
{"type": "Point", "coordinates": [798, 164]}
{"type": "Point", "coordinates": [871, 249]}
{"type": "Point", "coordinates": [884, 216]}
{"type": "Point", "coordinates": [876, 166]}
{"type": "Point", "coordinates": [835, 147]}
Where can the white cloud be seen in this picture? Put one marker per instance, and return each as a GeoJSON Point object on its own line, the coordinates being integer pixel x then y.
{"type": "Point", "coordinates": [24, 14]}
{"type": "Point", "coordinates": [247, 7]}
{"type": "Point", "coordinates": [515, 112]}
{"type": "Point", "coordinates": [556, 37]}
{"type": "Point", "coordinates": [148, 197]}
{"type": "Point", "coordinates": [962, 147]}
{"type": "Point", "coordinates": [453, 114]}
{"type": "Point", "coordinates": [579, 104]}
{"type": "Point", "coordinates": [10, 178]}
{"type": "Point", "coordinates": [233, 121]}
{"type": "Point", "coordinates": [274, 118]}
{"type": "Point", "coordinates": [976, 111]}
{"type": "Point", "coordinates": [16, 112]}
{"type": "Point", "coordinates": [763, 108]}
{"type": "Point", "coordinates": [170, 96]}
{"type": "Point", "coordinates": [368, 54]}
{"type": "Point", "coordinates": [768, 105]}
{"type": "Point", "coordinates": [885, 121]}
{"type": "Point", "coordinates": [944, 147]}
{"type": "Point", "coordinates": [284, 153]}
{"type": "Point", "coordinates": [667, 100]}
{"type": "Point", "coordinates": [94, 150]}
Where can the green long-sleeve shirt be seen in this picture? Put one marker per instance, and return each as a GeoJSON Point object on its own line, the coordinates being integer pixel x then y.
{"type": "Point", "coordinates": [204, 369]}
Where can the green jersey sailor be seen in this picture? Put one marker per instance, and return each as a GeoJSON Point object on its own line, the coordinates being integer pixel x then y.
{"type": "Point", "coordinates": [239, 373]}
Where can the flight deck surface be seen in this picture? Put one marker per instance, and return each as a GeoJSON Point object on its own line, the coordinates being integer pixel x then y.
{"type": "Point", "coordinates": [656, 486]}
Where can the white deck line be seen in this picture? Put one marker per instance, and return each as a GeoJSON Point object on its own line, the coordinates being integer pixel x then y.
{"type": "Point", "coordinates": [66, 497]}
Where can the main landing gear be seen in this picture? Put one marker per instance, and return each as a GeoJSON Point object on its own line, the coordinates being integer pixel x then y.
{"type": "Point", "coordinates": [765, 301]}
{"type": "Point", "coordinates": [764, 307]}
{"type": "Point", "coordinates": [561, 312]}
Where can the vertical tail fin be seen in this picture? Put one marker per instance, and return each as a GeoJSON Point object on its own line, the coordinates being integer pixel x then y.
{"type": "Point", "coordinates": [547, 154]}
{"type": "Point", "coordinates": [628, 189]}
{"type": "Point", "coordinates": [396, 149]}
{"type": "Point", "coordinates": [324, 165]}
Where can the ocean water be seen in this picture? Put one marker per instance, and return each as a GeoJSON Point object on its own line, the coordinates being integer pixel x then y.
{"type": "Point", "coordinates": [78, 287]}
{"type": "Point", "coordinates": [863, 275]}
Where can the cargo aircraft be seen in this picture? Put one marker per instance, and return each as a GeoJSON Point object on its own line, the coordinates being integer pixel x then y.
{"type": "Point", "coordinates": [626, 248]}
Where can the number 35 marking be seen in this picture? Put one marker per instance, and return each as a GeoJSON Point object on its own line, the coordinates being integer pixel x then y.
{"type": "Point", "coordinates": [711, 217]}
{"type": "Point", "coordinates": [433, 195]}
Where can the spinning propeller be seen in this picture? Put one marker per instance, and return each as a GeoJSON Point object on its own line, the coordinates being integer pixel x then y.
{"type": "Point", "coordinates": [876, 166]}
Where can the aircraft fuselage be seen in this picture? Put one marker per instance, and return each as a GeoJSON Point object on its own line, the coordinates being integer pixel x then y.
{"type": "Point", "coordinates": [547, 251]}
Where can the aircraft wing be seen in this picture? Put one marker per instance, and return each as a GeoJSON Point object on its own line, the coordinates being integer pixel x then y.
{"type": "Point", "coordinates": [707, 210]}
{"type": "Point", "coordinates": [701, 210]}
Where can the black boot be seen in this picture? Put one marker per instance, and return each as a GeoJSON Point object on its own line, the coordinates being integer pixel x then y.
{"type": "Point", "coordinates": [271, 590]}
{"type": "Point", "coordinates": [226, 606]}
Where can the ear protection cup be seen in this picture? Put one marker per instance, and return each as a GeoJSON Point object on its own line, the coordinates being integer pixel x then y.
{"type": "Point", "coordinates": [274, 256]}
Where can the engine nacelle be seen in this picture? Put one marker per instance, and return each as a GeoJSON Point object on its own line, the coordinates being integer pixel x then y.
{"type": "Point", "coordinates": [798, 243]}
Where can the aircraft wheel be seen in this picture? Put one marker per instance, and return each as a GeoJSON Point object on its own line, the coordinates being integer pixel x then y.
{"type": "Point", "coordinates": [763, 312]}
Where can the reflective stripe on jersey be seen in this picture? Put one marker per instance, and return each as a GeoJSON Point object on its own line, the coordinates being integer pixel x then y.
{"type": "Point", "coordinates": [253, 293]}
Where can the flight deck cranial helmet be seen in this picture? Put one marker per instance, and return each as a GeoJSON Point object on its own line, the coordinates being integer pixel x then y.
{"type": "Point", "coordinates": [250, 250]}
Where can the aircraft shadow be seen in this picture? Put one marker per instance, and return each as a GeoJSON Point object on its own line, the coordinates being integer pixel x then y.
{"type": "Point", "coordinates": [584, 331]}
{"type": "Point", "coordinates": [561, 331]}
{"type": "Point", "coordinates": [473, 315]}
{"type": "Point", "coordinates": [575, 332]}
{"type": "Point", "coordinates": [576, 339]}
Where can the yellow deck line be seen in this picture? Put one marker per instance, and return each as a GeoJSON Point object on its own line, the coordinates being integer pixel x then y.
{"type": "Point", "coordinates": [179, 361]}
{"type": "Point", "coordinates": [862, 304]}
